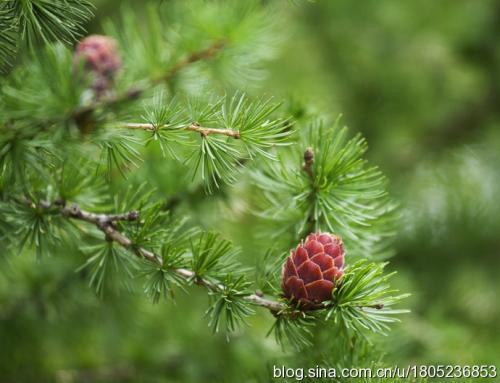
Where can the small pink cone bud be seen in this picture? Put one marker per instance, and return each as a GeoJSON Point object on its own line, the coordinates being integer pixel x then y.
{"type": "Point", "coordinates": [100, 57]}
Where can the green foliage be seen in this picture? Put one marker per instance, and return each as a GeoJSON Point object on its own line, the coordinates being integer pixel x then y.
{"type": "Point", "coordinates": [44, 20]}
{"type": "Point", "coordinates": [31, 226]}
{"type": "Point", "coordinates": [107, 265]}
{"type": "Point", "coordinates": [118, 151]}
{"type": "Point", "coordinates": [216, 158]}
{"type": "Point", "coordinates": [22, 159]}
{"type": "Point", "coordinates": [251, 32]}
{"type": "Point", "coordinates": [44, 90]}
{"type": "Point", "coordinates": [40, 21]}
{"type": "Point", "coordinates": [293, 328]}
{"type": "Point", "coordinates": [342, 194]}
{"type": "Point", "coordinates": [228, 308]}
{"type": "Point", "coordinates": [212, 256]}
{"type": "Point", "coordinates": [268, 271]}
{"type": "Point", "coordinates": [168, 120]}
{"type": "Point", "coordinates": [364, 299]}
{"type": "Point", "coordinates": [253, 120]}
{"type": "Point", "coordinates": [50, 90]}
{"type": "Point", "coordinates": [76, 180]}
{"type": "Point", "coordinates": [8, 39]}
{"type": "Point", "coordinates": [160, 280]}
{"type": "Point", "coordinates": [177, 28]}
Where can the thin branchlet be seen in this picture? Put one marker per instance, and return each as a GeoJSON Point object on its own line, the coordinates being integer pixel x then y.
{"type": "Point", "coordinates": [204, 54]}
{"type": "Point", "coordinates": [254, 298]}
{"type": "Point", "coordinates": [194, 127]}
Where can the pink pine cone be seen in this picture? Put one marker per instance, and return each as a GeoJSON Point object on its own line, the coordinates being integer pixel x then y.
{"type": "Point", "coordinates": [312, 269]}
{"type": "Point", "coordinates": [100, 57]}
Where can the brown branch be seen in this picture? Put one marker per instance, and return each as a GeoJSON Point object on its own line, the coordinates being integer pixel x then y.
{"type": "Point", "coordinates": [101, 218]}
{"type": "Point", "coordinates": [136, 90]}
{"type": "Point", "coordinates": [140, 126]}
{"type": "Point", "coordinates": [256, 299]}
{"type": "Point", "coordinates": [194, 127]}
{"type": "Point", "coordinates": [273, 306]}
{"type": "Point", "coordinates": [105, 224]}
{"type": "Point", "coordinates": [203, 54]}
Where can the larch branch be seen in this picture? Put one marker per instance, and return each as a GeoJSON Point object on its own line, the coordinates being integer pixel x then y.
{"type": "Point", "coordinates": [206, 131]}
{"type": "Point", "coordinates": [194, 127]}
{"type": "Point", "coordinates": [105, 223]}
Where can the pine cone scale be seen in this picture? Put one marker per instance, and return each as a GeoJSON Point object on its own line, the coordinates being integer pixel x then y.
{"type": "Point", "coordinates": [321, 289]}
{"type": "Point", "coordinates": [338, 262]}
{"type": "Point", "coordinates": [296, 288]}
{"type": "Point", "coordinates": [324, 261]}
{"type": "Point", "coordinates": [290, 270]}
{"type": "Point", "coordinates": [314, 247]}
{"type": "Point", "coordinates": [333, 250]}
{"type": "Point", "coordinates": [300, 256]}
{"type": "Point", "coordinates": [309, 272]}
{"type": "Point", "coordinates": [332, 274]}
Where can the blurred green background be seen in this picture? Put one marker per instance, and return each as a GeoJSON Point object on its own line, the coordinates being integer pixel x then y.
{"type": "Point", "coordinates": [421, 80]}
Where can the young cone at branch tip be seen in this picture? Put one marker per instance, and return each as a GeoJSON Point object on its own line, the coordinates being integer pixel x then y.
{"type": "Point", "coordinates": [313, 268]}
{"type": "Point", "coordinates": [101, 58]}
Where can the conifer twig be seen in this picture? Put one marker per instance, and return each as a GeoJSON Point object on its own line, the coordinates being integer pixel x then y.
{"type": "Point", "coordinates": [195, 127]}
{"type": "Point", "coordinates": [105, 224]}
